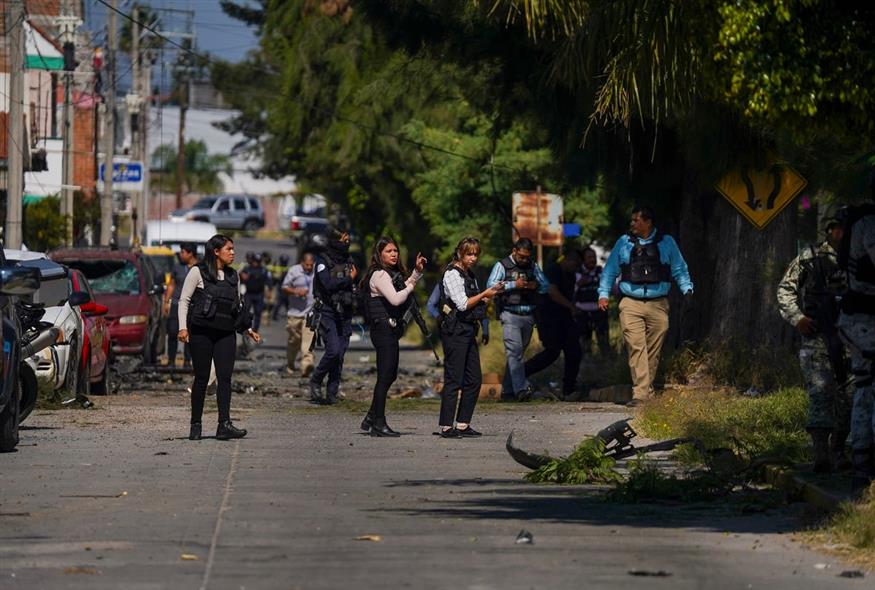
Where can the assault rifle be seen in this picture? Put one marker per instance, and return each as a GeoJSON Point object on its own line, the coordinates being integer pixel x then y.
{"type": "Point", "coordinates": [314, 323]}
{"type": "Point", "coordinates": [414, 313]}
{"type": "Point", "coordinates": [826, 312]}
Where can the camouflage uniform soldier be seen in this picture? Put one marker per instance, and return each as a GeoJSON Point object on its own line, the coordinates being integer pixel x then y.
{"type": "Point", "coordinates": [857, 327]}
{"type": "Point", "coordinates": [807, 299]}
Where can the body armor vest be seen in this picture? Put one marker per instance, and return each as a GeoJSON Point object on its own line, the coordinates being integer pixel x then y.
{"type": "Point", "coordinates": [514, 297]}
{"type": "Point", "coordinates": [590, 292]}
{"type": "Point", "coordinates": [341, 300]}
{"type": "Point", "coordinates": [256, 281]}
{"type": "Point", "coordinates": [473, 315]}
{"type": "Point", "coordinates": [216, 304]}
{"type": "Point", "coordinates": [379, 309]}
{"type": "Point", "coordinates": [823, 282]}
{"type": "Point", "coordinates": [860, 268]}
{"type": "Point", "coordinates": [645, 266]}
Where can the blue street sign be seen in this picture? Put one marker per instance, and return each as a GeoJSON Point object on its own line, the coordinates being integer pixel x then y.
{"type": "Point", "coordinates": [571, 230]}
{"type": "Point", "coordinates": [125, 172]}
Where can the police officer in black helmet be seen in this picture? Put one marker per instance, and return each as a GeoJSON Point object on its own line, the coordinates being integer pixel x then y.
{"type": "Point", "coordinates": [256, 278]}
{"type": "Point", "coordinates": [334, 289]}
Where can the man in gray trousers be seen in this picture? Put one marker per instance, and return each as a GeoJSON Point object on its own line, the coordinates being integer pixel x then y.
{"type": "Point", "coordinates": [524, 285]}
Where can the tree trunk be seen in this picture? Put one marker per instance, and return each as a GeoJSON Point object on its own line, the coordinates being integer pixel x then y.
{"type": "Point", "coordinates": [735, 269]}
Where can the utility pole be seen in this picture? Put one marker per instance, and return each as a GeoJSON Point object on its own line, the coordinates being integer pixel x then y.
{"type": "Point", "coordinates": [146, 93]}
{"type": "Point", "coordinates": [15, 128]}
{"type": "Point", "coordinates": [134, 101]}
{"type": "Point", "coordinates": [180, 151]}
{"type": "Point", "coordinates": [68, 24]}
{"type": "Point", "coordinates": [108, 133]}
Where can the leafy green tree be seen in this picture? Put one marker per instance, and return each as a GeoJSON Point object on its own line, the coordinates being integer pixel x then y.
{"type": "Point", "coordinates": [470, 195]}
{"type": "Point", "coordinates": [326, 100]}
{"type": "Point", "coordinates": [43, 226]}
{"type": "Point", "coordinates": [201, 168]}
{"type": "Point", "coordinates": [660, 99]}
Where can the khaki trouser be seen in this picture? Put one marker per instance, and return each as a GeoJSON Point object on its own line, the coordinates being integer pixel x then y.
{"type": "Point", "coordinates": [300, 337]}
{"type": "Point", "coordinates": [644, 326]}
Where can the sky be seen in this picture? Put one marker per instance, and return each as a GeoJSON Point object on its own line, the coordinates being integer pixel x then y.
{"type": "Point", "coordinates": [216, 33]}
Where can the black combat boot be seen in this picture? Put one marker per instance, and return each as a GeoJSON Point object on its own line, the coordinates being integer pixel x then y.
{"type": "Point", "coordinates": [316, 395]}
{"type": "Point", "coordinates": [380, 428]}
{"type": "Point", "coordinates": [195, 432]}
{"type": "Point", "coordinates": [227, 431]}
{"type": "Point", "coordinates": [820, 441]}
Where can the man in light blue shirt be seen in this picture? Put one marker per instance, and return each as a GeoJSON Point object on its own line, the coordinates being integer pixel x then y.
{"type": "Point", "coordinates": [646, 261]}
{"type": "Point", "coordinates": [524, 285]}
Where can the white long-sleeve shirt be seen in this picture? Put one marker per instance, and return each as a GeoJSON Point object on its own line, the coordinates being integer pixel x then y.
{"type": "Point", "coordinates": [381, 286]}
{"type": "Point", "coordinates": [454, 287]}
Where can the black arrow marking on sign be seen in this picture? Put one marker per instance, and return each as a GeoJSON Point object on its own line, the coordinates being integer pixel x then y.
{"type": "Point", "coordinates": [752, 201]}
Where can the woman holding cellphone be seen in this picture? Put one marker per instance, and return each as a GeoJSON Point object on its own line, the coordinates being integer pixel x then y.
{"type": "Point", "coordinates": [462, 306]}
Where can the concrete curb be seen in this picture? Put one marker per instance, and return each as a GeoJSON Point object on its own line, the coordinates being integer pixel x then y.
{"type": "Point", "coordinates": [794, 484]}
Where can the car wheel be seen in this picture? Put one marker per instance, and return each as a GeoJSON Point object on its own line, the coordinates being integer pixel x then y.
{"type": "Point", "coordinates": [250, 225]}
{"type": "Point", "coordinates": [28, 388]}
{"type": "Point", "coordinates": [71, 381]}
{"type": "Point", "coordinates": [148, 350]}
{"type": "Point", "coordinates": [9, 421]}
{"type": "Point", "coordinates": [102, 386]}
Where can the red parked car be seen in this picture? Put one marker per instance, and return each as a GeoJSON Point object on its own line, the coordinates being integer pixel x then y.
{"type": "Point", "coordinates": [95, 345]}
{"type": "Point", "coordinates": [125, 282]}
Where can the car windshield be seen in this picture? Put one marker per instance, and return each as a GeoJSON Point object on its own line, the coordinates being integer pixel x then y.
{"type": "Point", "coordinates": [163, 262]}
{"type": "Point", "coordinates": [52, 293]}
{"type": "Point", "coordinates": [109, 276]}
{"type": "Point", "coordinates": [204, 204]}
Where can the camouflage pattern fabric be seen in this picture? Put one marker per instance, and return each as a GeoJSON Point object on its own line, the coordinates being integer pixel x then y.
{"type": "Point", "coordinates": [799, 277]}
{"type": "Point", "coordinates": [829, 403]}
{"type": "Point", "coordinates": [858, 332]}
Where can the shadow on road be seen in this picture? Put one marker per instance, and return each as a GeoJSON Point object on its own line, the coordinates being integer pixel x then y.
{"type": "Point", "coordinates": [507, 499]}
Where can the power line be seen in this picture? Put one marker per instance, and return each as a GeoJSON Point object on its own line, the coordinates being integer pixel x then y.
{"type": "Point", "coordinates": [330, 113]}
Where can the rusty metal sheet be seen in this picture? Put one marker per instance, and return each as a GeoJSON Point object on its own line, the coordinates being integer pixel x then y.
{"type": "Point", "coordinates": [529, 210]}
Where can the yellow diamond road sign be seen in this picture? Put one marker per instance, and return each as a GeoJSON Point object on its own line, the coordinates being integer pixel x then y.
{"type": "Point", "coordinates": [759, 195]}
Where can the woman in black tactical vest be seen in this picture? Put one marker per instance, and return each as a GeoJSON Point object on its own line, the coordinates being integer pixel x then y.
{"type": "Point", "coordinates": [209, 316]}
{"type": "Point", "coordinates": [462, 306]}
{"type": "Point", "coordinates": [387, 302]}
{"type": "Point", "coordinates": [334, 289]}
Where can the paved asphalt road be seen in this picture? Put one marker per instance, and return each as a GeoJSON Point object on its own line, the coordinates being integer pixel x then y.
{"type": "Point", "coordinates": [116, 498]}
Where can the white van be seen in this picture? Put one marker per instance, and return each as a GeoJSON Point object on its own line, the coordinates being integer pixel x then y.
{"type": "Point", "coordinates": [174, 233]}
